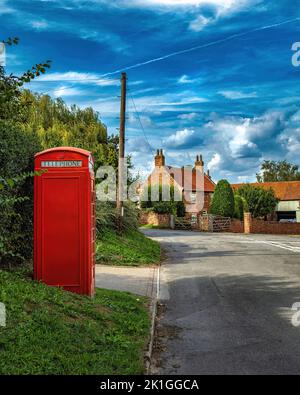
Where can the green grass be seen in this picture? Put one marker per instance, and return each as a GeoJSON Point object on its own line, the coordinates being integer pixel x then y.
{"type": "Point", "coordinates": [150, 226]}
{"type": "Point", "coordinates": [130, 249]}
{"type": "Point", "coordinates": [50, 331]}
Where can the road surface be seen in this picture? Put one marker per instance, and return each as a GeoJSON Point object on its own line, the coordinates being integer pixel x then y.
{"type": "Point", "coordinates": [228, 304]}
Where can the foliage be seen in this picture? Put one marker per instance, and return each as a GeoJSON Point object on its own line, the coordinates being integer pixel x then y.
{"type": "Point", "coordinates": [260, 202]}
{"type": "Point", "coordinates": [132, 248]}
{"type": "Point", "coordinates": [56, 124]}
{"type": "Point", "coordinates": [278, 171]}
{"type": "Point", "coordinates": [238, 207]}
{"type": "Point", "coordinates": [53, 332]}
{"type": "Point", "coordinates": [9, 234]}
{"type": "Point", "coordinates": [161, 206]}
{"type": "Point", "coordinates": [107, 217]}
{"type": "Point", "coordinates": [180, 209]}
{"type": "Point", "coordinates": [11, 103]}
{"type": "Point", "coordinates": [17, 150]}
{"type": "Point", "coordinates": [164, 208]}
{"type": "Point", "coordinates": [223, 200]}
{"type": "Point", "coordinates": [30, 123]}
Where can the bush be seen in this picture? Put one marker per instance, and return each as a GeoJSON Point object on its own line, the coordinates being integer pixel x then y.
{"type": "Point", "coordinates": [9, 232]}
{"type": "Point", "coordinates": [180, 209]}
{"type": "Point", "coordinates": [107, 217]}
{"type": "Point", "coordinates": [223, 200]}
{"type": "Point", "coordinates": [17, 149]}
{"type": "Point", "coordinates": [238, 207]}
{"type": "Point", "coordinates": [162, 207]}
{"type": "Point", "coordinates": [260, 202]}
{"type": "Point", "coordinates": [131, 216]}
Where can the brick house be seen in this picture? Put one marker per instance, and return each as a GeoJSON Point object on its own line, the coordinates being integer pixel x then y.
{"type": "Point", "coordinates": [189, 180]}
{"type": "Point", "coordinates": [288, 194]}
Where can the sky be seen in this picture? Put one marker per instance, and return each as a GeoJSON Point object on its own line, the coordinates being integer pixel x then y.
{"type": "Point", "coordinates": [210, 77]}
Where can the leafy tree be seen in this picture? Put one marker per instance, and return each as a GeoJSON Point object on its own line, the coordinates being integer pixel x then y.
{"type": "Point", "coordinates": [278, 171]}
{"type": "Point", "coordinates": [223, 200]}
{"type": "Point", "coordinates": [17, 149]}
{"type": "Point", "coordinates": [238, 207]}
{"type": "Point", "coordinates": [11, 104]}
{"type": "Point", "coordinates": [160, 206]}
{"type": "Point", "coordinates": [261, 202]}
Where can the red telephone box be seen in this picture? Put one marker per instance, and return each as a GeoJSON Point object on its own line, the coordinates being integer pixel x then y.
{"type": "Point", "coordinates": [64, 219]}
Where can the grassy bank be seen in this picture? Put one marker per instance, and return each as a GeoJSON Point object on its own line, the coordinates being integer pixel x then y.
{"type": "Point", "coordinates": [50, 331]}
{"type": "Point", "coordinates": [131, 249]}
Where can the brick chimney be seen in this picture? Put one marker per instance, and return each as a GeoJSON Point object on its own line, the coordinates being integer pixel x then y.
{"type": "Point", "coordinates": [159, 158]}
{"type": "Point", "coordinates": [199, 164]}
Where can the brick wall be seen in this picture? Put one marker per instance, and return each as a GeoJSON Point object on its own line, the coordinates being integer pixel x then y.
{"type": "Point", "coordinates": [236, 226]}
{"type": "Point", "coordinates": [276, 228]}
{"type": "Point", "coordinates": [151, 218]}
{"type": "Point", "coordinates": [256, 226]}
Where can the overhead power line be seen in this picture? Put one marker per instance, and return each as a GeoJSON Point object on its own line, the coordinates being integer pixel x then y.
{"type": "Point", "coordinates": [140, 121]}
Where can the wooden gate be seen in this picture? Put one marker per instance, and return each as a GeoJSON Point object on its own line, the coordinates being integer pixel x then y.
{"type": "Point", "coordinates": [214, 223]}
{"type": "Point", "coordinates": [221, 224]}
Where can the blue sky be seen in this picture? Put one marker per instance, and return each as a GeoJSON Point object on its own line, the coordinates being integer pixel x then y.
{"type": "Point", "coordinates": [206, 76]}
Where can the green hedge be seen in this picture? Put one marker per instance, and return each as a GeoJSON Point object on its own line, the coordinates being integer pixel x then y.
{"type": "Point", "coordinates": [17, 149]}
{"type": "Point", "coordinates": [223, 200]}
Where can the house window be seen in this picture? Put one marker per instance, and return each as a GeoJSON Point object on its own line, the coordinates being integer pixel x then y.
{"type": "Point", "coordinates": [193, 197]}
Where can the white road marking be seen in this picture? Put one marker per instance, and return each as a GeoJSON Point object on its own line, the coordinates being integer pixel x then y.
{"type": "Point", "coordinates": [272, 243]}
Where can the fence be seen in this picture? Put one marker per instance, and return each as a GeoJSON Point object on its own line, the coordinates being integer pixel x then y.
{"type": "Point", "coordinates": [213, 223]}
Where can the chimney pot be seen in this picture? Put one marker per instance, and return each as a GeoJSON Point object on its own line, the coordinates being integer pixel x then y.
{"type": "Point", "coordinates": [159, 158]}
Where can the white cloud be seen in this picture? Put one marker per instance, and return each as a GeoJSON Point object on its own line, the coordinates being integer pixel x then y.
{"type": "Point", "coordinates": [183, 3]}
{"type": "Point", "coordinates": [188, 117]}
{"type": "Point", "coordinates": [39, 25]}
{"type": "Point", "coordinates": [200, 23]}
{"type": "Point", "coordinates": [134, 120]}
{"type": "Point", "coordinates": [185, 80]}
{"type": "Point", "coordinates": [66, 91]}
{"type": "Point", "coordinates": [157, 104]}
{"type": "Point", "coordinates": [244, 142]}
{"type": "Point", "coordinates": [214, 162]}
{"type": "Point", "coordinates": [237, 95]}
{"type": "Point", "coordinates": [179, 139]}
{"type": "Point", "coordinates": [73, 76]}
{"type": "Point", "coordinates": [5, 9]}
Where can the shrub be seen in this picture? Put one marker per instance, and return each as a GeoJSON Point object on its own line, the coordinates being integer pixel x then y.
{"type": "Point", "coordinates": [107, 217]}
{"type": "Point", "coordinates": [17, 149]}
{"type": "Point", "coordinates": [160, 206]}
{"type": "Point", "coordinates": [180, 209]}
{"type": "Point", "coordinates": [260, 202]}
{"type": "Point", "coordinates": [164, 208]}
{"type": "Point", "coordinates": [238, 207]}
{"type": "Point", "coordinates": [131, 216]}
{"type": "Point", "coordinates": [223, 200]}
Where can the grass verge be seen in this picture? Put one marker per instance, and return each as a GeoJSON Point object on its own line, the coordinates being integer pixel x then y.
{"type": "Point", "coordinates": [131, 249]}
{"type": "Point", "coordinates": [50, 331]}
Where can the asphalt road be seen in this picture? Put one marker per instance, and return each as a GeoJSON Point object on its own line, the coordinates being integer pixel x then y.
{"type": "Point", "coordinates": [228, 304]}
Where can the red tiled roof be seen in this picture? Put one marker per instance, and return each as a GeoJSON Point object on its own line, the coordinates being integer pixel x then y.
{"type": "Point", "coordinates": [209, 185]}
{"type": "Point", "coordinates": [285, 190]}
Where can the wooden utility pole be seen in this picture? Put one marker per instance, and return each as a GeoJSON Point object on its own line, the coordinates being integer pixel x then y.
{"type": "Point", "coordinates": [122, 146]}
